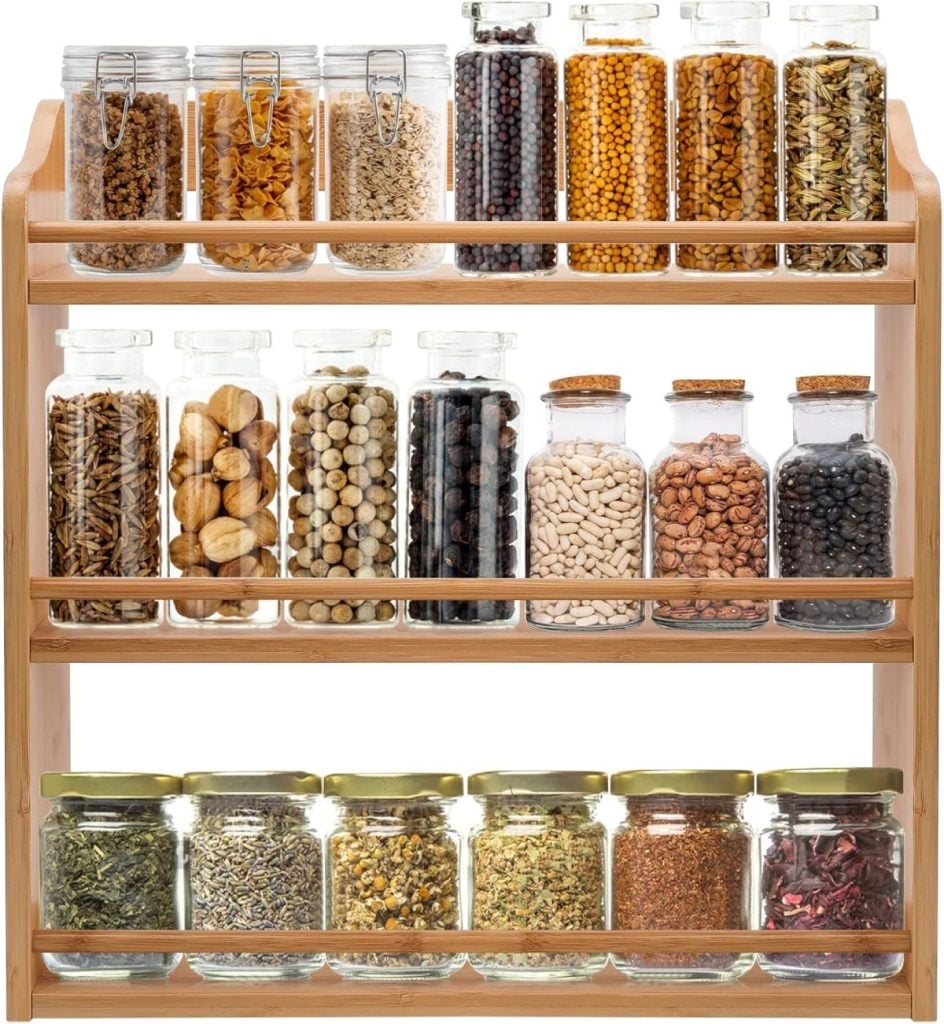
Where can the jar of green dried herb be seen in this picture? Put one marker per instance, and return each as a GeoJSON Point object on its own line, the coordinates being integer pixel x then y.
{"type": "Point", "coordinates": [538, 864]}
{"type": "Point", "coordinates": [393, 864]}
{"type": "Point", "coordinates": [254, 863]}
{"type": "Point", "coordinates": [109, 859]}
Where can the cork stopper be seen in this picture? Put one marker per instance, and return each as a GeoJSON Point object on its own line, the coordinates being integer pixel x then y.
{"type": "Point", "coordinates": [588, 382]}
{"type": "Point", "coordinates": [682, 387]}
{"type": "Point", "coordinates": [836, 382]}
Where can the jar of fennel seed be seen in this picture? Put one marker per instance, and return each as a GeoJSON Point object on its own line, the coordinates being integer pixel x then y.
{"type": "Point", "coordinates": [254, 862]}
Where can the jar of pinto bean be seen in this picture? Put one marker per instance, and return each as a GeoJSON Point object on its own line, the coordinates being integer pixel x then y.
{"type": "Point", "coordinates": [708, 497]}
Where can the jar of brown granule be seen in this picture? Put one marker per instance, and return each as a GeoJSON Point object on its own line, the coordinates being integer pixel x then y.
{"type": "Point", "coordinates": [682, 860]}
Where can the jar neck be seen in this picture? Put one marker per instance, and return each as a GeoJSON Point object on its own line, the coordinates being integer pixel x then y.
{"type": "Point", "coordinates": [690, 810]}
{"type": "Point", "coordinates": [741, 32]}
{"type": "Point", "coordinates": [833, 420]}
{"type": "Point", "coordinates": [834, 35]}
{"type": "Point", "coordinates": [587, 420]}
{"type": "Point", "coordinates": [861, 809]}
{"type": "Point", "coordinates": [512, 32]}
{"type": "Point", "coordinates": [627, 32]}
{"type": "Point", "coordinates": [263, 810]}
{"type": "Point", "coordinates": [103, 364]}
{"type": "Point", "coordinates": [413, 815]}
{"type": "Point", "coordinates": [487, 365]}
{"type": "Point", "coordinates": [545, 811]}
{"type": "Point", "coordinates": [221, 364]}
{"type": "Point", "coordinates": [338, 363]}
{"type": "Point", "coordinates": [695, 419]}
{"type": "Point", "coordinates": [107, 812]}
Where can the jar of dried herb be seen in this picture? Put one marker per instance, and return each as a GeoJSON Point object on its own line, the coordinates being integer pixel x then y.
{"type": "Point", "coordinates": [831, 858]}
{"type": "Point", "coordinates": [538, 860]}
{"type": "Point", "coordinates": [253, 863]}
{"type": "Point", "coordinates": [682, 860]}
{"type": "Point", "coordinates": [109, 859]}
{"type": "Point", "coordinates": [393, 864]}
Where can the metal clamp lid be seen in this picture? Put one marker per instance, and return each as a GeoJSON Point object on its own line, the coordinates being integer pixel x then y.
{"type": "Point", "coordinates": [248, 81]}
{"type": "Point", "coordinates": [121, 84]}
{"type": "Point", "coordinates": [394, 84]}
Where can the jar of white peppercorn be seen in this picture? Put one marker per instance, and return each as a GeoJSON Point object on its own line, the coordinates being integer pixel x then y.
{"type": "Point", "coordinates": [393, 863]}
{"type": "Point", "coordinates": [253, 863]}
{"type": "Point", "coordinates": [586, 503]}
{"type": "Point", "coordinates": [342, 478]}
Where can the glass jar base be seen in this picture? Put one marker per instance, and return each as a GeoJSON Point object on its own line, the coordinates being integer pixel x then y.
{"type": "Point", "coordinates": [819, 627]}
{"type": "Point", "coordinates": [711, 625]}
{"type": "Point", "coordinates": [684, 975]}
{"type": "Point", "coordinates": [81, 267]}
{"type": "Point", "coordinates": [506, 275]}
{"type": "Point", "coordinates": [562, 627]}
{"type": "Point", "coordinates": [217, 268]}
{"type": "Point", "coordinates": [369, 972]}
{"type": "Point", "coordinates": [220, 972]}
{"type": "Point", "coordinates": [114, 967]}
{"type": "Point", "coordinates": [785, 972]}
{"type": "Point", "coordinates": [538, 974]}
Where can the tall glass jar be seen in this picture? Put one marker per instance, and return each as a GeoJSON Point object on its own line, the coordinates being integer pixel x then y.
{"type": "Point", "coordinates": [831, 858]}
{"type": "Point", "coordinates": [834, 132]}
{"type": "Point", "coordinates": [126, 138]}
{"type": "Point", "coordinates": [708, 501]}
{"type": "Point", "coordinates": [682, 860]}
{"type": "Point", "coordinates": [387, 112]}
{"type": "Point", "coordinates": [342, 477]}
{"type": "Point", "coordinates": [586, 503]}
{"type": "Point", "coordinates": [103, 470]}
{"type": "Point", "coordinates": [506, 134]}
{"type": "Point", "coordinates": [538, 860]}
{"type": "Point", "coordinates": [463, 462]}
{"type": "Point", "coordinates": [253, 863]}
{"type": "Point", "coordinates": [393, 863]}
{"type": "Point", "coordinates": [257, 145]}
{"type": "Point", "coordinates": [835, 502]}
{"type": "Point", "coordinates": [726, 153]}
{"type": "Point", "coordinates": [223, 454]}
{"type": "Point", "coordinates": [109, 859]}
{"type": "Point", "coordinates": [616, 91]}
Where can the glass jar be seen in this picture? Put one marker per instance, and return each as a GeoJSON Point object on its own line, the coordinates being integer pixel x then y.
{"type": "Point", "coordinates": [831, 858]}
{"type": "Point", "coordinates": [393, 863]}
{"type": "Point", "coordinates": [616, 92]}
{"type": "Point", "coordinates": [223, 450]}
{"type": "Point", "coordinates": [253, 863]}
{"type": "Point", "coordinates": [342, 479]}
{"type": "Point", "coordinates": [103, 470]}
{"type": "Point", "coordinates": [506, 134]}
{"type": "Point", "coordinates": [109, 859]}
{"type": "Point", "coordinates": [835, 502]}
{"type": "Point", "coordinates": [834, 134]}
{"type": "Point", "coordinates": [257, 144]}
{"type": "Point", "coordinates": [586, 503]}
{"type": "Point", "coordinates": [538, 860]}
{"type": "Point", "coordinates": [463, 461]}
{"type": "Point", "coordinates": [726, 132]}
{"type": "Point", "coordinates": [126, 143]}
{"type": "Point", "coordinates": [387, 112]}
{"type": "Point", "coordinates": [682, 860]}
{"type": "Point", "coordinates": [708, 499]}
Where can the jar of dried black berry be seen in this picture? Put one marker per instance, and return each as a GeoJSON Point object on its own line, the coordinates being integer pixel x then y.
{"type": "Point", "coordinates": [835, 498]}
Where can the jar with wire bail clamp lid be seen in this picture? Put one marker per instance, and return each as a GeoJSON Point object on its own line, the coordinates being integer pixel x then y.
{"type": "Point", "coordinates": [387, 128]}
{"type": "Point", "coordinates": [126, 138]}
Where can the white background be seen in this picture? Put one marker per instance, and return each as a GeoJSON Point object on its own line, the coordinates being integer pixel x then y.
{"type": "Point", "coordinates": [469, 718]}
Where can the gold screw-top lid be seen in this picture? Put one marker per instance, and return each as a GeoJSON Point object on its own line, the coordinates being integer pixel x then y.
{"type": "Point", "coordinates": [108, 785]}
{"type": "Point", "coordinates": [397, 787]}
{"type": "Point", "coordinates": [537, 783]}
{"type": "Point", "coordinates": [835, 382]}
{"type": "Point", "coordinates": [830, 782]}
{"type": "Point", "coordinates": [246, 783]}
{"type": "Point", "coordinates": [589, 382]}
{"type": "Point", "coordinates": [682, 783]}
{"type": "Point", "coordinates": [682, 387]}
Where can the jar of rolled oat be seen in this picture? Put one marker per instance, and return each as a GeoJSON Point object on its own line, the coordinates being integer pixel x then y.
{"type": "Point", "coordinates": [387, 129]}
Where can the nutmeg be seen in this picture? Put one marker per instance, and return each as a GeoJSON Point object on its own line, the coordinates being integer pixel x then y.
{"type": "Point", "coordinates": [231, 464]}
{"type": "Point", "coordinates": [245, 567]}
{"type": "Point", "coordinates": [269, 482]}
{"type": "Point", "coordinates": [196, 502]}
{"type": "Point", "coordinates": [258, 437]}
{"type": "Point", "coordinates": [184, 551]}
{"type": "Point", "coordinates": [233, 407]}
{"type": "Point", "coordinates": [200, 435]}
{"type": "Point", "coordinates": [190, 609]}
{"type": "Point", "coordinates": [224, 539]}
{"type": "Point", "coordinates": [269, 563]}
{"type": "Point", "coordinates": [265, 526]}
{"type": "Point", "coordinates": [242, 497]}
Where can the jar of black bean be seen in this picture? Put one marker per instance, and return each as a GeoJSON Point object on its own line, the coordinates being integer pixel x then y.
{"type": "Point", "coordinates": [506, 134]}
{"type": "Point", "coordinates": [463, 464]}
{"type": "Point", "coordinates": [835, 496]}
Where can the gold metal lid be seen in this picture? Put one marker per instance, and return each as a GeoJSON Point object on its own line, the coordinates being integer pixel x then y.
{"type": "Point", "coordinates": [834, 382]}
{"type": "Point", "coordinates": [682, 783]}
{"type": "Point", "coordinates": [830, 782]}
{"type": "Point", "coordinates": [682, 387]}
{"type": "Point", "coordinates": [391, 785]}
{"type": "Point", "coordinates": [537, 783]}
{"type": "Point", "coordinates": [588, 382]}
{"type": "Point", "coordinates": [108, 785]}
{"type": "Point", "coordinates": [246, 783]}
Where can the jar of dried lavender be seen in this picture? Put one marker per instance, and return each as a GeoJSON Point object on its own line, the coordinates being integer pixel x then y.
{"type": "Point", "coordinates": [832, 859]}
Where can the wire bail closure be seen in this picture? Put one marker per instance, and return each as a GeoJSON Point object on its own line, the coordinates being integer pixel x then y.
{"type": "Point", "coordinates": [274, 84]}
{"type": "Point", "coordinates": [122, 84]}
{"type": "Point", "coordinates": [394, 85]}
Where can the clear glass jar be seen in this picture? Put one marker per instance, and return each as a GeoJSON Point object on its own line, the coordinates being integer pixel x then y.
{"type": "Point", "coordinates": [126, 138]}
{"type": "Point", "coordinates": [257, 146]}
{"type": "Point", "coordinates": [103, 471]}
{"type": "Point", "coordinates": [387, 116]}
{"type": "Point", "coordinates": [464, 420]}
{"type": "Point", "coordinates": [835, 167]}
{"type": "Point", "coordinates": [253, 863]}
{"type": "Point", "coordinates": [835, 503]}
{"type": "Point", "coordinates": [682, 860]}
{"type": "Point", "coordinates": [506, 134]}
{"type": "Point", "coordinates": [538, 863]}
{"type": "Point", "coordinates": [831, 858]}
{"type": "Point", "coordinates": [616, 92]}
{"type": "Point", "coordinates": [708, 501]}
{"type": "Point", "coordinates": [223, 458]}
{"type": "Point", "coordinates": [586, 503]}
{"type": "Point", "coordinates": [342, 477]}
{"type": "Point", "coordinates": [393, 863]}
{"type": "Point", "coordinates": [726, 145]}
{"type": "Point", "coordinates": [109, 859]}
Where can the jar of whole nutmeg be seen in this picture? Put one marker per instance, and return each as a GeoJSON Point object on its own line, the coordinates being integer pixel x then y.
{"type": "Point", "coordinates": [708, 499]}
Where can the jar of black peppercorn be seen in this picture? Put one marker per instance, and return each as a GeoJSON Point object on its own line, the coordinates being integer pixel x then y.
{"type": "Point", "coordinates": [506, 134]}
{"type": "Point", "coordinates": [463, 463]}
{"type": "Point", "coordinates": [835, 495]}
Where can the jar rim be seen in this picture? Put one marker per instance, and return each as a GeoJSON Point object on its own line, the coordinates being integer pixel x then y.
{"type": "Point", "coordinates": [108, 785]}
{"type": "Point", "coordinates": [709, 395]}
{"type": "Point", "coordinates": [831, 394]}
{"type": "Point", "coordinates": [834, 13]}
{"type": "Point", "coordinates": [537, 783]}
{"type": "Point", "coordinates": [222, 341]}
{"type": "Point", "coordinates": [103, 340]}
{"type": "Point", "coordinates": [830, 782]}
{"type": "Point", "coordinates": [342, 339]}
{"type": "Point", "coordinates": [683, 782]}
{"type": "Point", "coordinates": [725, 10]}
{"type": "Point", "coordinates": [292, 783]}
{"type": "Point", "coordinates": [393, 785]}
{"type": "Point", "coordinates": [151, 63]}
{"type": "Point", "coordinates": [429, 60]}
{"type": "Point", "coordinates": [613, 12]}
{"type": "Point", "coordinates": [585, 397]}
{"type": "Point", "coordinates": [216, 61]}
{"type": "Point", "coordinates": [497, 10]}
{"type": "Point", "coordinates": [467, 342]}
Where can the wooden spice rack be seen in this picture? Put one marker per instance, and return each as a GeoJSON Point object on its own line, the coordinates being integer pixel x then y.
{"type": "Point", "coordinates": [39, 287]}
